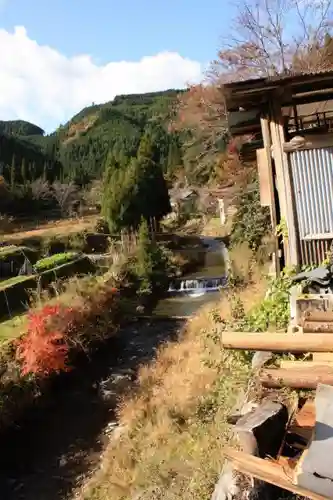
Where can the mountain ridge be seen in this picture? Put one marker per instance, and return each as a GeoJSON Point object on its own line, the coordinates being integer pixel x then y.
{"type": "Point", "coordinates": [82, 144]}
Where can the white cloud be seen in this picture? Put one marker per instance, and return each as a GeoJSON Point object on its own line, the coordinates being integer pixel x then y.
{"type": "Point", "coordinates": [40, 85]}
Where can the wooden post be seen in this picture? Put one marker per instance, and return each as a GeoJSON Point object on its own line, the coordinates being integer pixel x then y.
{"type": "Point", "coordinates": [284, 182]}
{"type": "Point", "coordinates": [269, 471]}
{"type": "Point", "coordinates": [278, 342]}
{"type": "Point", "coordinates": [267, 146]}
{"type": "Point", "coordinates": [297, 379]}
{"type": "Point", "coordinates": [301, 365]}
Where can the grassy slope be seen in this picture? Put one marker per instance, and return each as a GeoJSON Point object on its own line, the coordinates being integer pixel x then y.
{"type": "Point", "coordinates": [175, 425]}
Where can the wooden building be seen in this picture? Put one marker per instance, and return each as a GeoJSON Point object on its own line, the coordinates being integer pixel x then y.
{"type": "Point", "coordinates": [291, 121]}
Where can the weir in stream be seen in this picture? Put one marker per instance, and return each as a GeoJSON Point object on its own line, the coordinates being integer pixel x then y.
{"type": "Point", "coordinates": [50, 453]}
{"type": "Point", "coordinates": [187, 294]}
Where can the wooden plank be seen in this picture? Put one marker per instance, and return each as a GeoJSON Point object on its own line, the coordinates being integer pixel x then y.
{"type": "Point", "coordinates": [310, 142]}
{"type": "Point", "coordinates": [301, 365]}
{"type": "Point", "coordinates": [266, 135]}
{"type": "Point", "coordinates": [297, 379]}
{"type": "Point", "coordinates": [326, 357]}
{"type": "Point", "coordinates": [305, 420]}
{"type": "Point", "coordinates": [268, 471]}
{"type": "Point", "coordinates": [277, 342]}
{"type": "Point", "coordinates": [264, 178]}
{"type": "Point", "coordinates": [318, 327]}
{"type": "Point", "coordinates": [284, 182]}
{"type": "Point", "coordinates": [314, 469]}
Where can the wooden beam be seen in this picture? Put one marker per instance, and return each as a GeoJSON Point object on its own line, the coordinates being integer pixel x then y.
{"type": "Point", "coordinates": [265, 129]}
{"type": "Point", "coordinates": [284, 182]}
{"type": "Point", "coordinates": [310, 142]}
{"type": "Point", "coordinates": [318, 327]}
{"type": "Point", "coordinates": [301, 365]}
{"type": "Point", "coordinates": [277, 342]}
{"type": "Point", "coordinates": [304, 421]}
{"type": "Point", "coordinates": [297, 379]}
{"type": "Point", "coordinates": [268, 471]}
{"type": "Point", "coordinates": [264, 178]}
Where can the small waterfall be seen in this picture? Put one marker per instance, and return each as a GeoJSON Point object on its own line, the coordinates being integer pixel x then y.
{"type": "Point", "coordinates": [196, 284]}
{"type": "Point", "coordinates": [216, 257]}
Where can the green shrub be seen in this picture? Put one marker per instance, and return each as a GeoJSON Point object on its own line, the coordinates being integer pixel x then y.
{"type": "Point", "coordinates": [102, 227]}
{"type": "Point", "coordinates": [77, 241]}
{"type": "Point", "coordinates": [54, 261]}
{"type": "Point", "coordinates": [79, 266]}
{"type": "Point", "coordinates": [252, 221]}
{"type": "Point", "coordinates": [272, 313]}
{"type": "Point", "coordinates": [151, 262]}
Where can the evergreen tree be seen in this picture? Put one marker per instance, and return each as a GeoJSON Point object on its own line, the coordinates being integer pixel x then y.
{"type": "Point", "coordinates": [135, 191]}
{"type": "Point", "coordinates": [153, 190]}
{"type": "Point", "coordinates": [119, 196]}
{"type": "Point", "coordinates": [23, 172]}
{"type": "Point", "coordinates": [12, 172]}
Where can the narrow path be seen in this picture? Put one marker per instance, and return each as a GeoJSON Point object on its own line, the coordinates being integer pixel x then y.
{"type": "Point", "coordinates": [56, 448]}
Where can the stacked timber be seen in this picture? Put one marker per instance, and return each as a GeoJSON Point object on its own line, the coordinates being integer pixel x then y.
{"type": "Point", "coordinates": [289, 443]}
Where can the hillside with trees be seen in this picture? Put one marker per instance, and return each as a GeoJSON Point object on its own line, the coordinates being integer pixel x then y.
{"type": "Point", "coordinates": [127, 142]}
{"type": "Point", "coordinates": [78, 150]}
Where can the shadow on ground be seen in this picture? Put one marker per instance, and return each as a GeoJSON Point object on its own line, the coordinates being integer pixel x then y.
{"type": "Point", "coordinates": [48, 455]}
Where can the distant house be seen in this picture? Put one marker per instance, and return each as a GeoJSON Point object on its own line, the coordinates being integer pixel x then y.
{"type": "Point", "coordinates": [183, 199]}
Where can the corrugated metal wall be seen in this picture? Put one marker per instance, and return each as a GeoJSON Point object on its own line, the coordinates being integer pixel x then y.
{"type": "Point", "coordinates": [312, 177]}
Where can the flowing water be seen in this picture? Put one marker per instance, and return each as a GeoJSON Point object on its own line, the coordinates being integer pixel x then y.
{"type": "Point", "coordinates": [58, 444]}
{"type": "Point", "coordinates": [189, 293]}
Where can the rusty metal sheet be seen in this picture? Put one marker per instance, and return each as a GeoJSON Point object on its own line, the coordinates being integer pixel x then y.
{"type": "Point", "coordinates": [312, 181]}
{"type": "Point", "coordinates": [314, 251]}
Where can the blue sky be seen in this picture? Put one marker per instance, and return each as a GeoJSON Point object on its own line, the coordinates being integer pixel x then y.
{"type": "Point", "coordinates": [124, 46]}
{"type": "Point", "coordinates": [122, 29]}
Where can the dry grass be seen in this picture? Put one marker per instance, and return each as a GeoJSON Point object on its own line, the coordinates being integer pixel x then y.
{"type": "Point", "coordinates": [52, 228]}
{"type": "Point", "coordinates": [213, 227]}
{"type": "Point", "coordinates": [176, 423]}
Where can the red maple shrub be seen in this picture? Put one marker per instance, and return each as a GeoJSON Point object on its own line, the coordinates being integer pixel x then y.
{"type": "Point", "coordinates": [54, 332]}
{"type": "Point", "coordinates": [44, 349]}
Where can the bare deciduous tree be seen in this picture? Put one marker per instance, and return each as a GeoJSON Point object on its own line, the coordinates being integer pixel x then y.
{"type": "Point", "coordinates": [65, 195]}
{"type": "Point", "coordinates": [40, 189]}
{"type": "Point", "coordinates": [269, 36]}
{"type": "Point", "coordinates": [93, 195]}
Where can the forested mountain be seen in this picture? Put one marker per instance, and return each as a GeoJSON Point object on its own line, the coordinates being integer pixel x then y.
{"type": "Point", "coordinates": [77, 151]}
{"type": "Point", "coordinates": [20, 128]}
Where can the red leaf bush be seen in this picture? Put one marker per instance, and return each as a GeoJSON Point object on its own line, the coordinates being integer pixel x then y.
{"type": "Point", "coordinates": [55, 331]}
{"type": "Point", "coordinates": [44, 348]}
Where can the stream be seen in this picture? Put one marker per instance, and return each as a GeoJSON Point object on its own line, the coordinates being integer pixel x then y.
{"type": "Point", "coordinates": [50, 454]}
{"type": "Point", "coordinates": [197, 289]}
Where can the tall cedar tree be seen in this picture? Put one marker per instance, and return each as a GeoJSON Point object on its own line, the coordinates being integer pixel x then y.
{"type": "Point", "coordinates": [135, 191]}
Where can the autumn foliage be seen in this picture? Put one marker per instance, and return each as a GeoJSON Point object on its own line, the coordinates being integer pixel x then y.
{"type": "Point", "coordinates": [56, 331]}
{"type": "Point", "coordinates": [44, 349]}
